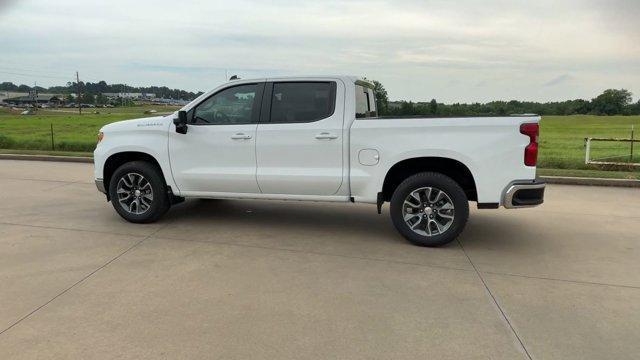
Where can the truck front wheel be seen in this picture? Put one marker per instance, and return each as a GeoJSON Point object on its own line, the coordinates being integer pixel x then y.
{"type": "Point", "coordinates": [138, 192]}
{"type": "Point", "coordinates": [429, 209]}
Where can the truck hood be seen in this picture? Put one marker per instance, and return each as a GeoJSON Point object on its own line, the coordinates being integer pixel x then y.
{"type": "Point", "coordinates": [154, 122]}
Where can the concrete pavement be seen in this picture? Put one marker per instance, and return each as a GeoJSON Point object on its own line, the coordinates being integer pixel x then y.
{"type": "Point", "coordinates": [291, 280]}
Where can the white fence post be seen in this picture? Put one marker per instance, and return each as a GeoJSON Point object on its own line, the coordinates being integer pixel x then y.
{"type": "Point", "coordinates": [586, 156]}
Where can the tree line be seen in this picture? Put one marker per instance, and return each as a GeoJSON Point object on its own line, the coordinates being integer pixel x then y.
{"type": "Point", "coordinates": [92, 91]}
{"type": "Point", "coordinates": [610, 102]}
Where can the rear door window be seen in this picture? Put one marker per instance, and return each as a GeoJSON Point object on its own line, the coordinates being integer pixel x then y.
{"type": "Point", "coordinates": [365, 102]}
{"type": "Point", "coordinates": [301, 102]}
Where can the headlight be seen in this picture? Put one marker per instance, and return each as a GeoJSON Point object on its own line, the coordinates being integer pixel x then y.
{"type": "Point", "coordinates": [100, 136]}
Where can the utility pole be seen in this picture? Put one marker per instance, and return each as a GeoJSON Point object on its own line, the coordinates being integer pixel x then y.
{"type": "Point", "coordinates": [34, 97]}
{"type": "Point", "coordinates": [78, 99]}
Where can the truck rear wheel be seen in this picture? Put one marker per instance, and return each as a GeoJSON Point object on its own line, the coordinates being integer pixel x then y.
{"type": "Point", "coordinates": [138, 192]}
{"type": "Point", "coordinates": [429, 209]}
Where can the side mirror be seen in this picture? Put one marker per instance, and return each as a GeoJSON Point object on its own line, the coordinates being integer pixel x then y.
{"type": "Point", "coordinates": [181, 122]}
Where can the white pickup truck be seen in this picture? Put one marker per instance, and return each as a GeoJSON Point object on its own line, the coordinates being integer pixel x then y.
{"type": "Point", "coordinates": [320, 139]}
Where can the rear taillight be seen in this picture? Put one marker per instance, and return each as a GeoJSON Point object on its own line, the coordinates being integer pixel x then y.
{"type": "Point", "coordinates": [531, 151]}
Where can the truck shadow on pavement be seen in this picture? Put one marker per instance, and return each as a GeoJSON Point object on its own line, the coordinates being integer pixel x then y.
{"type": "Point", "coordinates": [254, 218]}
{"type": "Point", "coordinates": [283, 218]}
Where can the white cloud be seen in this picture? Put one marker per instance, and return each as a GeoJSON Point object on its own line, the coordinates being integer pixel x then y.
{"type": "Point", "coordinates": [418, 49]}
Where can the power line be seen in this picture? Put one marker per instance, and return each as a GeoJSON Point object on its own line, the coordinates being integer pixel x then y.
{"type": "Point", "coordinates": [4, 67]}
{"type": "Point", "coordinates": [33, 75]}
{"type": "Point", "coordinates": [68, 78]}
{"type": "Point", "coordinates": [39, 73]}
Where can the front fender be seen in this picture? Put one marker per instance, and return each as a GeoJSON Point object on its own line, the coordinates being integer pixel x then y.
{"type": "Point", "coordinates": [152, 143]}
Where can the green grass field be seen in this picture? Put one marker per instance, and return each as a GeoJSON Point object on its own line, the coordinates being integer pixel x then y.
{"type": "Point", "coordinates": [561, 137]}
{"type": "Point", "coordinates": [72, 132]}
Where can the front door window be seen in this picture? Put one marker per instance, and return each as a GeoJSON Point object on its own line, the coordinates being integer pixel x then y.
{"type": "Point", "coordinates": [232, 106]}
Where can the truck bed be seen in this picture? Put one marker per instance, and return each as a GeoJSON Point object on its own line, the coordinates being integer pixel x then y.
{"type": "Point", "coordinates": [490, 147]}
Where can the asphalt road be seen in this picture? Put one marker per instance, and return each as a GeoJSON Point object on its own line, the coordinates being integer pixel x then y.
{"type": "Point", "coordinates": [291, 280]}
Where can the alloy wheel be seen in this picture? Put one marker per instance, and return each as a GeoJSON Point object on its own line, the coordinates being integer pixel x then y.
{"type": "Point", "coordinates": [135, 193]}
{"type": "Point", "coordinates": [428, 211]}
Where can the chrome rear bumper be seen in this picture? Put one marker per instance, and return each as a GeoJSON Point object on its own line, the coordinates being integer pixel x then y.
{"type": "Point", "coordinates": [524, 194]}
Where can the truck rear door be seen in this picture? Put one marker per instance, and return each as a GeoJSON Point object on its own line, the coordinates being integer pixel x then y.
{"type": "Point", "coordinates": [299, 138]}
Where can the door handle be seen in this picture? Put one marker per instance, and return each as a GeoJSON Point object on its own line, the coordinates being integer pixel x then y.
{"type": "Point", "coordinates": [326, 136]}
{"type": "Point", "coordinates": [241, 136]}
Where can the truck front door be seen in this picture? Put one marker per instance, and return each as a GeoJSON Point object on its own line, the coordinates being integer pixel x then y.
{"type": "Point", "coordinates": [218, 152]}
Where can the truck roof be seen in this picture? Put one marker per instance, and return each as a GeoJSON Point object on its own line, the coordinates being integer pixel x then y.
{"type": "Point", "coordinates": [345, 78]}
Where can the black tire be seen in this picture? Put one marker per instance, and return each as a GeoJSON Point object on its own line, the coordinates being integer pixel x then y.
{"type": "Point", "coordinates": [160, 203]}
{"type": "Point", "coordinates": [442, 183]}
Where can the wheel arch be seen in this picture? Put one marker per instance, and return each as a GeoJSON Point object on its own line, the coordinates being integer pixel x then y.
{"type": "Point", "coordinates": [116, 160]}
{"type": "Point", "coordinates": [452, 168]}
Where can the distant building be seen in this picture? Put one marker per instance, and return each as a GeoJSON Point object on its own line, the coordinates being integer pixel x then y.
{"type": "Point", "coordinates": [128, 95]}
{"type": "Point", "coordinates": [48, 99]}
{"type": "Point", "coordinates": [175, 102]}
{"type": "Point", "coordinates": [11, 94]}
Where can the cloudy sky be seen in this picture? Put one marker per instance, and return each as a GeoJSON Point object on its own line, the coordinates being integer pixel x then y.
{"type": "Point", "coordinates": [454, 51]}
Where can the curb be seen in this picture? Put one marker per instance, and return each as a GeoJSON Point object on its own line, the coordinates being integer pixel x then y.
{"type": "Point", "coordinates": [590, 181]}
{"type": "Point", "coordinates": [75, 159]}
